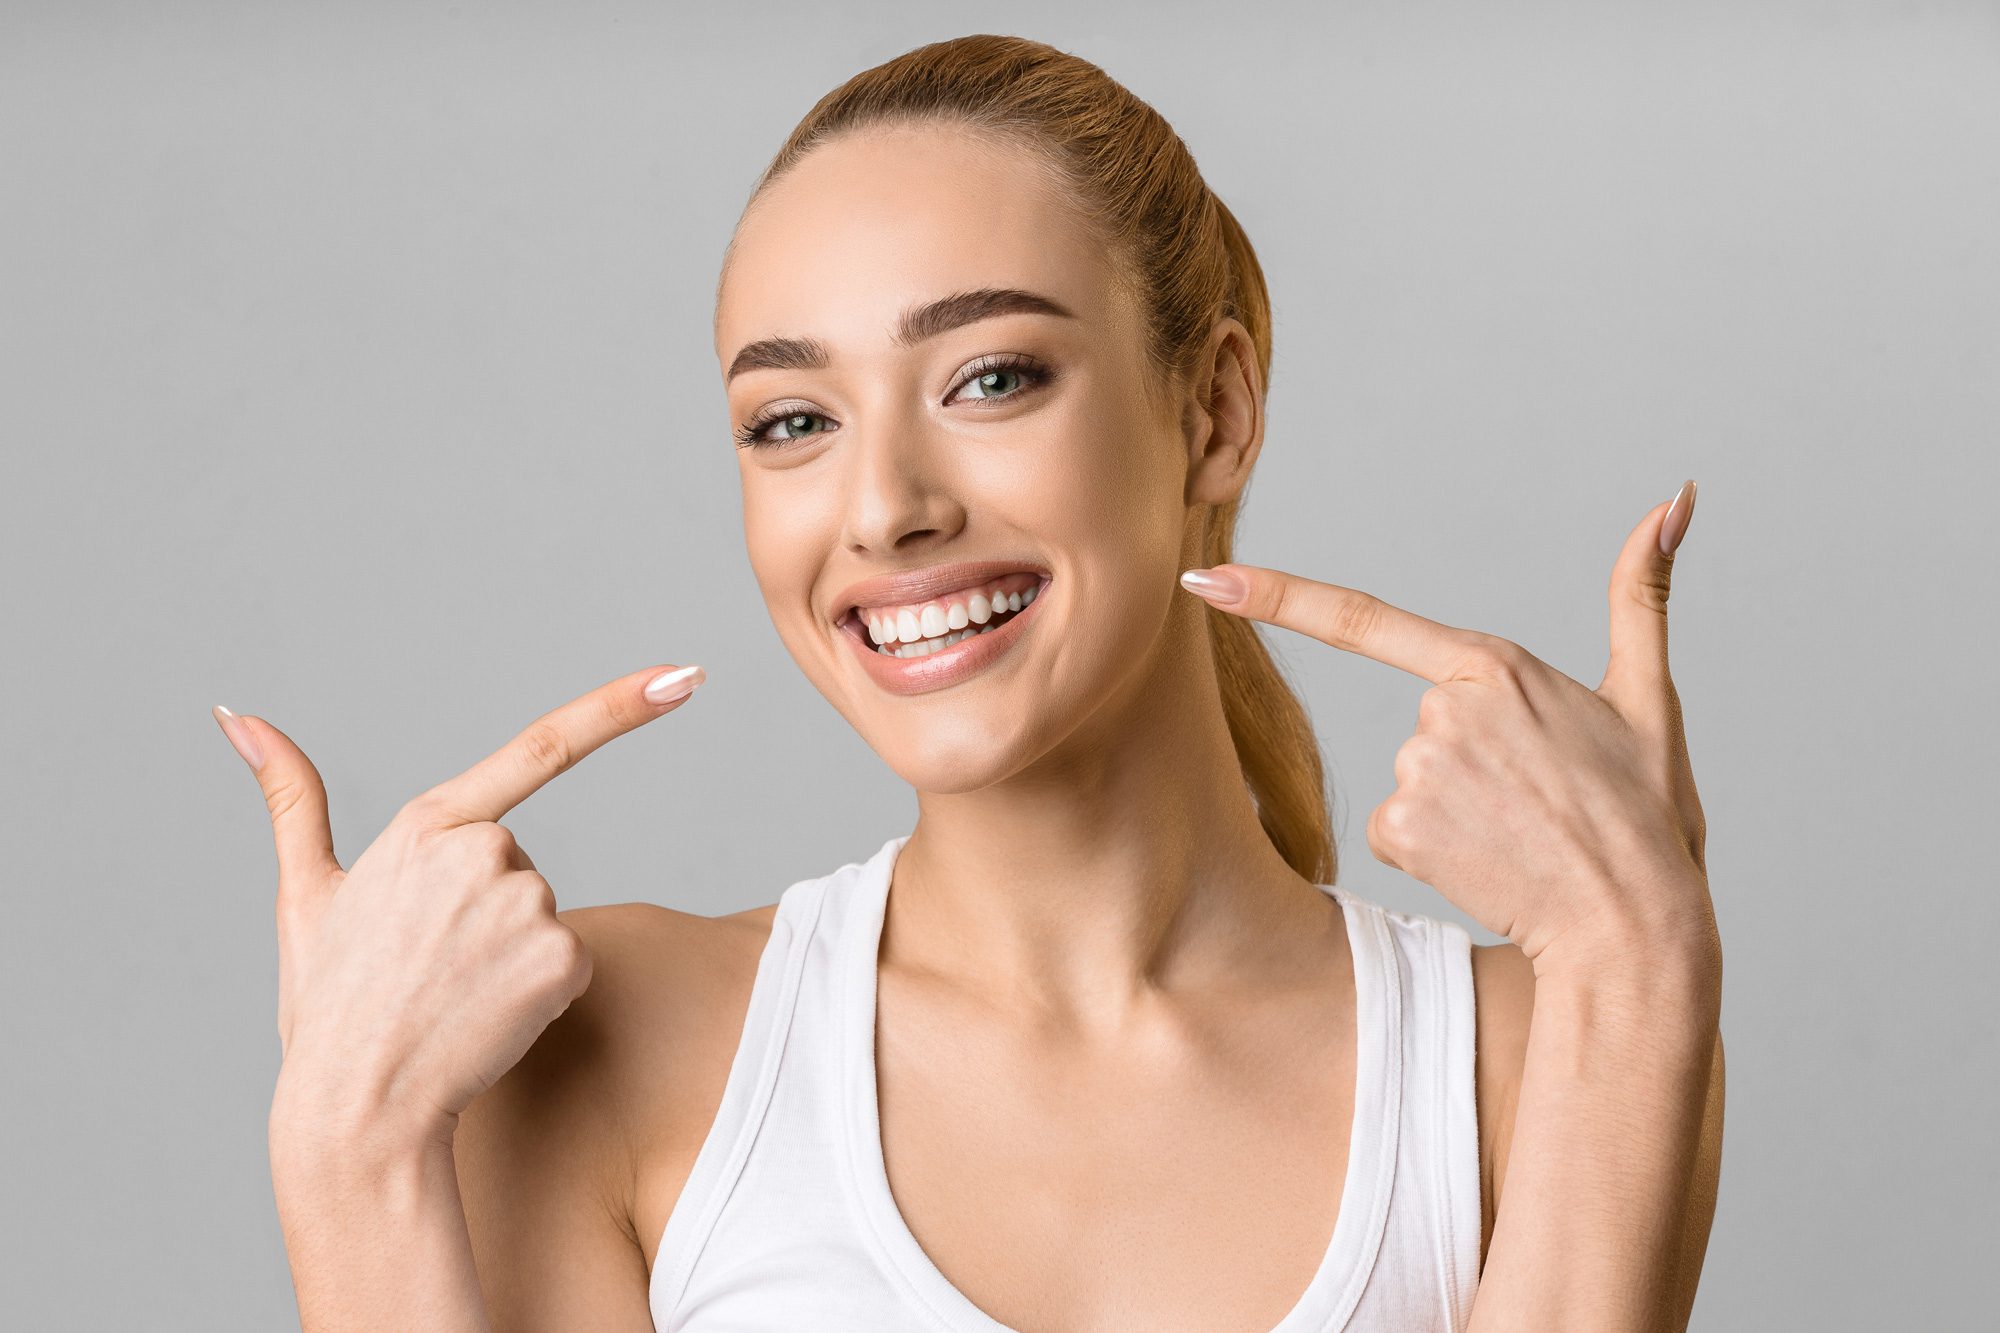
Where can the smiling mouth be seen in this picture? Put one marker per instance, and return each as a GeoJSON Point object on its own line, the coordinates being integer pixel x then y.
{"type": "Point", "coordinates": [918, 629]}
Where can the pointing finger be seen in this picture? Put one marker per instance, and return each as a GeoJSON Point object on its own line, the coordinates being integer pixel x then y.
{"type": "Point", "coordinates": [554, 742]}
{"type": "Point", "coordinates": [1342, 617]}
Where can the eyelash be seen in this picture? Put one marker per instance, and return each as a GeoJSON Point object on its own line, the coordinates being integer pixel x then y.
{"type": "Point", "coordinates": [1033, 372]}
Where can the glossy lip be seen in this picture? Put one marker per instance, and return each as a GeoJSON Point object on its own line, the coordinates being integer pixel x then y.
{"type": "Point", "coordinates": [920, 585]}
{"type": "Point", "coordinates": [949, 666]}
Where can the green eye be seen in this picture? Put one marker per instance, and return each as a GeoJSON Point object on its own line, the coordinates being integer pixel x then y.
{"type": "Point", "coordinates": [993, 384]}
{"type": "Point", "coordinates": [797, 424]}
{"type": "Point", "coordinates": [768, 431]}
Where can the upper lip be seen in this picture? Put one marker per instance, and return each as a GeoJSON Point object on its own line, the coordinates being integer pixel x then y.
{"type": "Point", "coordinates": [918, 585]}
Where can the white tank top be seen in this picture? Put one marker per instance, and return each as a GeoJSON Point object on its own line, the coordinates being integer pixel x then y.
{"type": "Point", "coordinates": [787, 1221]}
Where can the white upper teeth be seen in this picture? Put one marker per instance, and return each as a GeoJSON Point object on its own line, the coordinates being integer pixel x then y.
{"type": "Point", "coordinates": [921, 629]}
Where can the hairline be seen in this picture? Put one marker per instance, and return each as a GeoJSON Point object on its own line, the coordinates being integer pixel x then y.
{"type": "Point", "coordinates": [1063, 185]}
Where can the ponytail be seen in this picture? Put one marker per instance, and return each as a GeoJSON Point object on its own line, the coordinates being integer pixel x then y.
{"type": "Point", "coordinates": [1268, 724]}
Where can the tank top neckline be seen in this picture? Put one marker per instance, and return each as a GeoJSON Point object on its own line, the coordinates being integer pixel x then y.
{"type": "Point", "coordinates": [1334, 1291]}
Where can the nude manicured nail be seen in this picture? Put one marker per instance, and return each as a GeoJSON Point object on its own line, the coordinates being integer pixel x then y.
{"type": "Point", "coordinates": [677, 684]}
{"type": "Point", "coordinates": [240, 737]}
{"type": "Point", "coordinates": [1220, 587]}
{"type": "Point", "coordinates": [1675, 525]}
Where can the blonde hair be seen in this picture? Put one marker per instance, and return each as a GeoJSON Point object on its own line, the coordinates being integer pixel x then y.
{"type": "Point", "coordinates": [1191, 264]}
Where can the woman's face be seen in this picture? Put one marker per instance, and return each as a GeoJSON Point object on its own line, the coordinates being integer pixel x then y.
{"type": "Point", "coordinates": [939, 390]}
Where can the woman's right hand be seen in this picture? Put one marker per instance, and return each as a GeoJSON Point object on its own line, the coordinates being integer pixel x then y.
{"type": "Point", "coordinates": [410, 983]}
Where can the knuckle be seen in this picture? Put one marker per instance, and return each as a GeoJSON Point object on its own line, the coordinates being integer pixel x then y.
{"type": "Point", "coordinates": [1654, 587]}
{"type": "Point", "coordinates": [422, 811]}
{"type": "Point", "coordinates": [1356, 617]}
{"type": "Point", "coordinates": [281, 798]}
{"type": "Point", "coordinates": [563, 957]}
{"type": "Point", "coordinates": [531, 895]}
{"type": "Point", "coordinates": [1379, 841]}
{"type": "Point", "coordinates": [626, 712]}
{"type": "Point", "coordinates": [1498, 657]}
{"type": "Point", "coordinates": [494, 843]}
{"type": "Point", "coordinates": [1277, 598]}
{"type": "Point", "coordinates": [1396, 820]}
{"type": "Point", "coordinates": [1414, 758]}
{"type": "Point", "coordinates": [546, 748]}
{"type": "Point", "coordinates": [1435, 708]}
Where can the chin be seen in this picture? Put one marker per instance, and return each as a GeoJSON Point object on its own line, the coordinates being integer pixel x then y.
{"type": "Point", "coordinates": [955, 755]}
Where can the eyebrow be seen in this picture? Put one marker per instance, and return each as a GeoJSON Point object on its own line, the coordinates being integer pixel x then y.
{"type": "Point", "coordinates": [918, 323]}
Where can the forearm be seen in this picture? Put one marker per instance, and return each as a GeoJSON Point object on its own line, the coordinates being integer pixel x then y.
{"type": "Point", "coordinates": [373, 1224]}
{"type": "Point", "coordinates": [1606, 1130]}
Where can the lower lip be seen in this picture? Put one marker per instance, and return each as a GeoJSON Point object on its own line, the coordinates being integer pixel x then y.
{"type": "Point", "coordinates": [946, 667]}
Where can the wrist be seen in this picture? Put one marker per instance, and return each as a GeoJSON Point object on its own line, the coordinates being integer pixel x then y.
{"type": "Point", "coordinates": [1650, 936]}
{"type": "Point", "coordinates": [341, 1121]}
{"type": "Point", "coordinates": [1654, 981]}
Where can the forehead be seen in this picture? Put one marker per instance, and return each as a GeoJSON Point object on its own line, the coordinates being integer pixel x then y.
{"type": "Point", "coordinates": [878, 221]}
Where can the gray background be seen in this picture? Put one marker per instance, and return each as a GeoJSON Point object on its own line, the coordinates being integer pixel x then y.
{"type": "Point", "coordinates": [357, 373]}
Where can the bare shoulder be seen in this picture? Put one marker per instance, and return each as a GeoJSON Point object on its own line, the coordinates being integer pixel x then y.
{"type": "Point", "coordinates": [1503, 984]}
{"type": "Point", "coordinates": [650, 963]}
{"type": "Point", "coordinates": [663, 1015]}
{"type": "Point", "coordinates": [570, 1163]}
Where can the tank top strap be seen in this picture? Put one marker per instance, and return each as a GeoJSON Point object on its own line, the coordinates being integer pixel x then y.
{"type": "Point", "coordinates": [753, 1075]}
{"type": "Point", "coordinates": [1429, 1267]}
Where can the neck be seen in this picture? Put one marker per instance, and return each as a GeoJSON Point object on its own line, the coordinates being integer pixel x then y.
{"type": "Point", "coordinates": [1129, 860]}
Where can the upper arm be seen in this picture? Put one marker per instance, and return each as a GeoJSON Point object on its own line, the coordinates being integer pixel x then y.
{"type": "Point", "coordinates": [543, 1167]}
{"type": "Point", "coordinates": [1503, 984]}
{"type": "Point", "coordinates": [570, 1163]}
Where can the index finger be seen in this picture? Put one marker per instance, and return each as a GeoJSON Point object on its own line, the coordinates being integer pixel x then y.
{"type": "Point", "coordinates": [1344, 618]}
{"type": "Point", "coordinates": [555, 741]}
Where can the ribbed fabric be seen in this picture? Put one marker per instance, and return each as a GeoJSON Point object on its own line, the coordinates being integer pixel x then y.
{"type": "Point", "coordinates": [787, 1220]}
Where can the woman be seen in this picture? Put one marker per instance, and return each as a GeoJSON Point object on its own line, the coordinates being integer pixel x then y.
{"type": "Point", "coordinates": [1097, 1045]}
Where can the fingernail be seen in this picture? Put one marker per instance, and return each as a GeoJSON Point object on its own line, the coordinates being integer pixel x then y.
{"type": "Point", "coordinates": [1675, 525]}
{"type": "Point", "coordinates": [1220, 587]}
{"type": "Point", "coordinates": [240, 737]}
{"type": "Point", "coordinates": [675, 684]}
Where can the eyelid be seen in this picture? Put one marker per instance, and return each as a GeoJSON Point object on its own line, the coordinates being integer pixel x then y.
{"type": "Point", "coordinates": [769, 415]}
{"type": "Point", "coordinates": [1038, 373]}
{"type": "Point", "coordinates": [779, 408]}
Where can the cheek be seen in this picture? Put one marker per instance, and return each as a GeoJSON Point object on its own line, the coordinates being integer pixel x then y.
{"type": "Point", "coordinates": [780, 538]}
{"type": "Point", "coordinates": [1104, 474]}
{"type": "Point", "coordinates": [1106, 503]}
{"type": "Point", "coordinates": [783, 521]}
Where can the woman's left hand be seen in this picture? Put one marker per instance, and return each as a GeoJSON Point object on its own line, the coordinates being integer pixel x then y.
{"type": "Point", "coordinates": [1564, 818]}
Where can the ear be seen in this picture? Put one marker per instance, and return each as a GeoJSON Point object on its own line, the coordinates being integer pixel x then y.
{"type": "Point", "coordinates": [1226, 416]}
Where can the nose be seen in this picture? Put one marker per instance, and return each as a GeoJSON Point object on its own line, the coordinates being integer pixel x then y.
{"type": "Point", "coordinates": [900, 495]}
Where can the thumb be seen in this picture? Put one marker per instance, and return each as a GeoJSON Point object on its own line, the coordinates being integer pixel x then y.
{"type": "Point", "coordinates": [293, 793]}
{"type": "Point", "coordinates": [1637, 682]}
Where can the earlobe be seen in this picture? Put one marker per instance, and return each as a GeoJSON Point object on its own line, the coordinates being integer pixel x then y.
{"type": "Point", "coordinates": [1230, 405]}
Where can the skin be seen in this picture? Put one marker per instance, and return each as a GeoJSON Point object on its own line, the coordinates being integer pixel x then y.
{"type": "Point", "coordinates": [1191, 994]}
{"type": "Point", "coordinates": [508, 1154]}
